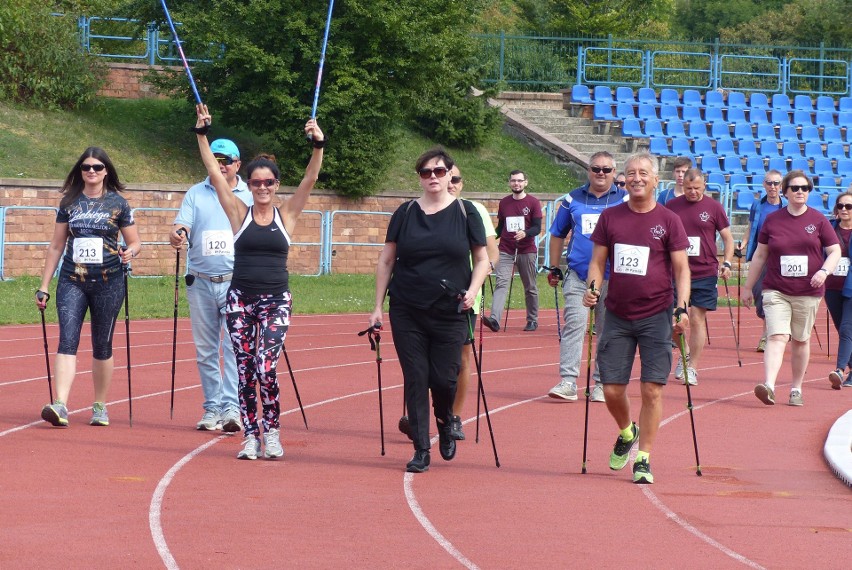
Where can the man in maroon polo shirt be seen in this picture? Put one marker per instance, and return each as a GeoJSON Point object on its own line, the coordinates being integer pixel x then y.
{"type": "Point", "coordinates": [645, 244]}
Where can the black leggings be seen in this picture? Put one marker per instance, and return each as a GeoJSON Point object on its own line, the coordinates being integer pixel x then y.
{"type": "Point", "coordinates": [102, 299]}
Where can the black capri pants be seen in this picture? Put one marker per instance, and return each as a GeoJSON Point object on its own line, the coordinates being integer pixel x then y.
{"type": "Point", "coordinates": [103, 301]}
{"type": "Point", "coordinates": [429, 345]}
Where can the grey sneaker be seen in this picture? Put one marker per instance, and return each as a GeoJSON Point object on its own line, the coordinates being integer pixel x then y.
{"type": "Point", "coordinates": [231, 421]}
{"type": "Point", "coordinates": [761, 345]}
{"type": "Point", "coordinates": [564, 391]}
{"type": "Point", "coordinates": [99, 415]}
{"type": "Point", "coordinates": [692, 375]}
{"type": "Point", "coordinates": [836, 379]}
{"type": "Point", "coordinates": [679, 367]}
{"type": "Point", "coordinates": [55, 414]}
{"type": "Point", "coordinates": [251, 448]}
{"type": "Point", "coordinates": [765, 394]}
{"type": "Point", "coordinates": [210, 421]}
{"type": "Point", "coordinates": [848, 382]}
{"type": "Point", "coordinates": [272, 444]}
{"type": "Point", "coordinates": [598, 393]}
{"type": "Point", "coordinates": [796, 398]}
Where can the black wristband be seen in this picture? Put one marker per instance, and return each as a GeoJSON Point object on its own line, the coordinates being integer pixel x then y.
{"type": "Point", "coordinates": [726, 264]}
{"type": "Point", "coordinates": [679, 311]}
{"type": "Point", "coordinates": [200, 130]}
{"type": "Point", "coordinates": [319, 144]}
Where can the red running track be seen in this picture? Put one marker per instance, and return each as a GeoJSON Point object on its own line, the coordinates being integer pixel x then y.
{"type": "Point", "coordinates": [161, 494]}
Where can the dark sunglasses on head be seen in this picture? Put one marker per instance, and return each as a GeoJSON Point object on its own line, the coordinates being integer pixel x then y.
{"type": "Point", "coordinates": [621, 183]}
{"type": "Point", "coordinates": [259, 182]}
{"type": "Point", "coordinates": [846, 206]}
{"type": "Point", "coordinates": [772, 182]}
{"type": "Point", "coordinates": [95, 167]}
{"type": "Point", "coordinates": [599, 169]}
{"type": "Point", "coordinates": [226, 160]}
{"type": "Point", "coordinates": [798, 188]}
{"type": "Point", "coordinates": [456, 179]}
{"type": "Point", "coordinates": [438, 171]}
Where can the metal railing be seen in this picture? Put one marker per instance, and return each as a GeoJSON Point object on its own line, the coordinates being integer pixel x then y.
{"type": "Point", "coordinates": [4, 243]}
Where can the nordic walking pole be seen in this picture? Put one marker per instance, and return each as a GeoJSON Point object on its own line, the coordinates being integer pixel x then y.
{"type": "Point", "coordinates": [42, 296]}
{"type": "Point", "coordinates": [126, 268]}
{"type": "Point", "coordinates": [180, 52]}
{"type": "Point", "coordinates": [827, 336]}
{"type": "Point", "coordinates": [174, 330]}
{"type": "Point", "coordinates": [557, 274]}
{"type": "Point", "coordinates": [295, 388]}
{"type": "Point", "coordinates": [375, 345]}
{"type": "Point", "coordinates": [588, 376]}
{"type": "Point", "coordinates": [733, 327]}
{"type": "Point", "coordinates": [682, 342]}
{"type": "Point", "coordinates": [509, 296]}
{"type": "Point", "coordinates": [481, 312]}
{"type": "Point", "coordinates": [738, 253]}
{"type": "Point", "coordinates": [481, 391]}
{"type": "Point", "coordinates": [816, 332]}
{"type": "Point", "coordinates": [707, 331]}
{"type": "Point", "coordinates": [321, 62]}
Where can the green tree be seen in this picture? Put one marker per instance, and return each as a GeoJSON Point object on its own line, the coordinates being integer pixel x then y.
{"type": "Point", "coordinates": [588, 18]}
{"type": "Point", "coordinates": [705, 19]}
{"type": "Point", "coordinates": [801, 22]}
{"type": "Point", "coordinates": [386, 60]}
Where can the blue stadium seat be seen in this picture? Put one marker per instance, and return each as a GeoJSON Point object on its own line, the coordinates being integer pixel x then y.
{"type": "Point", "coordinates": [813, 150]}
{"type": "Point", "coordinates": [580, 94]}
{"type": "Point", "coordinates": [823, 168]}
{"type": "Point", "coordinates": [675, 129]}
{"type": "Point", "coordinates": [737, 115]}
{"type": "Point", "coordinates": [743, 132]}
{"type": "Point", "coordinates": [779, 117]}
{"type": "Point", "coordinates": [836, 150]}
{"type": "Point", "coordinates": [737, 179]}
{"type": "Point", "coordinates": [654, 128]}
{"type": "Point", "coordinates": [825, 118]}
{"type": "Point", "coordinates": [725, 147]}
{"type": "Point", "coordinates": [732, 164]}
{"type": "Point", "coordinates": [826, 103]}
{"type": "Point", "coordinates": [669, 112]}
{"type": "Point", "coordinates": [647, 112]}
{"type": "Point", "coordinates": [800, 163]}
{"type": "Point", "coordinates": [754, 165]}
{"type": "Point", "coordinates": [846, 182]}
{"type": "Point", "coordinates": [778, 163]}
{"type": "Point", "coordinates": [781, 101]}
{"type": "Point", "coordinates": [692, 114]}
{"type": "Point", "coordinates": [692, 98]}
{"type": "Point", "coordinates": [680, 147]}
{"type": "Point", "coordinates": [791, 149]}
{"type": "Point", "coordinates": [844, 120]}
{"type": "Point", "coordinates": [648, 96]}
{"type": "Point", "coordinates": [603, 112]}
{"type": "Point", "coordinates": [713, 115]}
{"type": "Point", "coordinates": [845, 104]}
{"type": "Point", "coordinates": [624, 95]}
{"type": "Point", "coordinates": [758, 101]}
{"type": "Point", "coordinates": [810, 133]}
{"type": "Point", "coordinates": [758, 117]}
{"type": "Point", "coordinates": [815, 200]}
{"type": "Point", "coordinates": [788, 133]}
{"type": "Point", "coordinates": [736, 99]}
{"type": "Point", "coordinates": [625, 111]}
{"type": "Point", "coordinates": [745, 198]}
{"type": "Point", "coordinates": [769, 149]}
{"type": "Point", "coordinates": [603, 93]}
{"type": "Point", "coordinates": [803, 102]}
{"type": "Point", "coordinates": [698, 130]}
{"type": "Point", "coordinates": [630, 128]}
{"type": "Point", "coordinates": [831, 134]}
{"type": "Point", "coordinates": [844, 167]}
{"type": "Point", "coordinates": [720, 131]}
{"type": "Point", "coordinates": [702, 146]}
{"type": "Point", "coordinates": [670, 97]}
{"type": "Point", "coordinates": [746, 148]}
{"type": "Point", "coordinates": [714, 99]}
{"type": "Point", "coordinates": [659, 147]}
{"type": "Point", "coordinates": [710, 163]}
{"type": "Point", "coordinates": [803, 118]}
{"type": "Point", "coordinates": [766, 133]}
{"type": "Point", "coordinates": [716, 178]}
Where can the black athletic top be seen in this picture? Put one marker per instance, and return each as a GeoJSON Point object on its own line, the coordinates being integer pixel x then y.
{"type": "Point", "coordinates": [430, 248]}
{"type": "Point", "coordinates": [260, 257]}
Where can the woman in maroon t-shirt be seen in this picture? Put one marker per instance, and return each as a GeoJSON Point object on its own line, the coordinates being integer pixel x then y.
{"type": "Point", "coordinates": [838, 292]}
{"type": "Point", "coordinates": [800, 250]}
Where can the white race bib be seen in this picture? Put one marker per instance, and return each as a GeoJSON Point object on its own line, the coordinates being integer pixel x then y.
{"type": "Point", "coordinates": [588, 223]}
{"type": "Point", "coordinates": [794, 265]}
{"type": "Point", "coordinates": [842, 268]}
{"type": "Point", "coordinates": [694, 246]}
{"type": "Point", "coordinates": [88, 251]}
{"type": "Point", "coordinates": [631, 259]}
{"type": "Point", "coordinates": [515, 224]}
{"type": "Point", "coordinates": [218, 242]}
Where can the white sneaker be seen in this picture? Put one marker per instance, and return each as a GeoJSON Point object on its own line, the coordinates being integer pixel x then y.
{"type": "Point", "coordinates": [679, 367]}
{"type": "Point", "coordinates": [231, 421]}
{"type": "Point", "coordinates": [564, 391]}
{"type": "Point", "coordinates": [598, 393]}
{"type": "Point", "coordinates": [251, 448]}
{"type": "Point", "coordinates": [272, 444]}
{"type": "Point", "coordinates": [210, 421]}
{"type": "Point", "coordinates": [692, 375]}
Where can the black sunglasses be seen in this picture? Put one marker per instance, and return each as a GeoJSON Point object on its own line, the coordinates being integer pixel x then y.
{"type": "Point", "coordinates": [620, 183]}
{"type": "Point", "coordinates": [95, 167]}
{"type": "Point", "coordinates": [846, 206]}
{"type": "Point", "coordinates": [226, 160]}
{"type": "Point", "coordinates": [438, 171]}
{"type": "Point", "coordinates": [260, 182]}
{"type": "Point", "coordinates": [456, 179]}
{"type": "Point", "coordinates": [772, 182]}
{"type": "Point", "coordinates": [599, 169]}
{"type": "Point", "coordinates": [797, 188]}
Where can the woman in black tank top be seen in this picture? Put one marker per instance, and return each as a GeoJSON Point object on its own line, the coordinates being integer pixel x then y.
{"type": "Point", "coordinates": [258, 309]}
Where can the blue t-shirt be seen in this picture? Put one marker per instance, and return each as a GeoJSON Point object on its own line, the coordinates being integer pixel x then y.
{"type": "Point", "coordinates": [756, 216]}
{"type": "Point", "coordinates": [578, 213]}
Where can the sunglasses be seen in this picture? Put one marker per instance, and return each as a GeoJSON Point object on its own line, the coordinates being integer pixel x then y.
{"type": "Point", "coordinates": [95, 167]}
{"type": "Point", "coordinates": [226, 160]}
{"type": "Point", "coordinates": [260, 182]}
{"type": "Point", "coordinates": [438, 171]}
{"type": "Point", "coordinates": [846, 206]}
{"type": "Point", "coordinates": [599, 169]}
{"type": "Point", "coordinates": [456, 179]}
{"type": "Point", "coordinates": [797, 188]}
{"type": "Point", "coordinates": [621, 183]}
{"type": "Point", "coordinates": [772, 182]}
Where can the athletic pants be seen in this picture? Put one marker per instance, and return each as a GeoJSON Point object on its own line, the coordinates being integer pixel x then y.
{"type": "Point", "coordinates": [505, 272]}
{"type": "Point", "coordinates": [102, 299]}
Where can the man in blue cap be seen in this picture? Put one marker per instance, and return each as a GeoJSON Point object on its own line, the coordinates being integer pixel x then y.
{"type": "Point", "coordinates": [202, 223]}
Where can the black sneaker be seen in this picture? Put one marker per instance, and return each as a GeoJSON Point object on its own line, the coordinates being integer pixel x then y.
{"type": "Point", "coordinates": [531, 326]}
{"type": "Point", "coordinates": [405, 427]}
{"type": "Point", "coordinates": [456, 428]}
{"type": "Point", "coordinates": [420, 462]}
{"type": "Point", "coordinates": [491, 323]}
{"type": "Point", "coordinates": [621, 450]}
{"type": "Point", "coordinates": [642, 473]}
{"type": "Point", "coordinates": [446, 442]}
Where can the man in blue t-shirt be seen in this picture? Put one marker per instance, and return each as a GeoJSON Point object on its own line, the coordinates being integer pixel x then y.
{"type": "Point", "coordinates": [578, 214]}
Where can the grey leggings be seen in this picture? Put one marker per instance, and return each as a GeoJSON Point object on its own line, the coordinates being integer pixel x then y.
{"type": "Point", "coordinates": [103, 301]}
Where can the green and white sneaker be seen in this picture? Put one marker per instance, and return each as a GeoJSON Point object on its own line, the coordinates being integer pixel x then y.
{"type": "Point", "coordinates": [621, 450]}
{"type": "Point", "coordinates": [642, 473]}
{"type": "Point", "coordinates": [55, 414]}
{"type": "Point", "coordinates": [99, 415]}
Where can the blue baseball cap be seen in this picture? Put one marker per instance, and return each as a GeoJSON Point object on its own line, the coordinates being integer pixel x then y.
{"type": "Point", "coordinates": [226, 147]}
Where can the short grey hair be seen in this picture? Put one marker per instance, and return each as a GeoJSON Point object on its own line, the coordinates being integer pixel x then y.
{"type": "Point", "coordinates": [602, 154]}
{"type": "Point", "coordinates": [644, 155]}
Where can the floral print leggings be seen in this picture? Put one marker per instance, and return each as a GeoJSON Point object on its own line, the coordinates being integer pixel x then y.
{"type": "Point", "coordinates": [257, 325]}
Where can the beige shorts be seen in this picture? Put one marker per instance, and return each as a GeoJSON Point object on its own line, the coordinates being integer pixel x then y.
{"type": "Point", "coordinates": [790, 315]}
